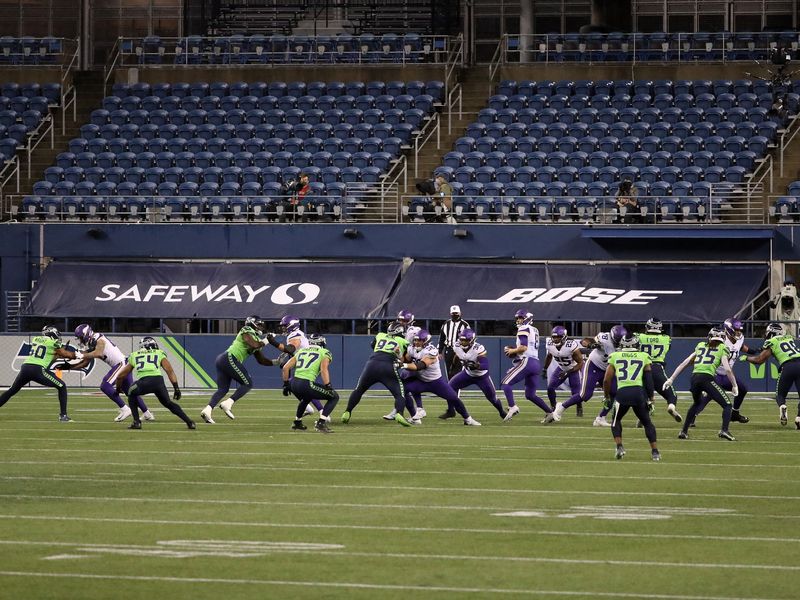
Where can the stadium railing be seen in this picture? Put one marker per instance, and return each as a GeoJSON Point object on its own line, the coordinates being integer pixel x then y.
{"type": "Point", "coordinates": [431, 127]}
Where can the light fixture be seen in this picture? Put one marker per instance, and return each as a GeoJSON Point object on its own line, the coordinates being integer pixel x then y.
{"type": "Point", "coordinates": [460, 233]}
{"type": "Point", "coordinates": [351, 233]}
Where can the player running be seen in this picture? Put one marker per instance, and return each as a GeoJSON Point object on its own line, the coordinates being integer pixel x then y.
{"type": "Point", "coordinates": [655, 343]}
{"type": "Point", "coordinates": [475, 371]}
{"type": "Point", "coordinates": [569, 361]}
{"type": "Point", "coordinates": [525, 364]}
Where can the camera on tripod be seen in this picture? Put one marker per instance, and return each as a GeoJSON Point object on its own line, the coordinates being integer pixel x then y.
{"type": "Point", "coordinates": [780, 57]}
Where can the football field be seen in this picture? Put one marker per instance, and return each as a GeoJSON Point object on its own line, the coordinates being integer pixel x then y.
{"type": "Point", "coordinates": [250, 509]}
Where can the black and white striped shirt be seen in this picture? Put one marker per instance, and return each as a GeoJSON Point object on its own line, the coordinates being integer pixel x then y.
{"type": "Point", "coordinates": [450, 332]}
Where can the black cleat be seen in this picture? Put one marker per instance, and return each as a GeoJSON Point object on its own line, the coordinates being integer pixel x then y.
{"type": "Point", "coordinates": [735, 416]}
{"type": "Point", "coordinates": [298, 425]}
{"type": "Point", "coordinates": [322, 426]}
{"type": "Point", "coordinates": [620, 452]}
{"type": "Point", "coordinates": [447, 414]}
{"type": "Point", "coordinates": [683, 435]}
{"type": "Point", "coordinates": [191, 425]}
{"type": "Point", "coordinates": [726, 435]}
{"type": "Point", "coordinates": [135, 425]}
{"type": "Point", "coordinates": [656, 455]}
{"type": "Point", "coordinates": [578, 409]}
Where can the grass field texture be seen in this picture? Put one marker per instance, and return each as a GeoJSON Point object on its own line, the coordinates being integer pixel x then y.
{"type": "Point", "coordinates": [250, 509]}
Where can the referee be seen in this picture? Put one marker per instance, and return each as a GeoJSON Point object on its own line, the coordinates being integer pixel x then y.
{"type": "Point", "coordinates": [449, 337]}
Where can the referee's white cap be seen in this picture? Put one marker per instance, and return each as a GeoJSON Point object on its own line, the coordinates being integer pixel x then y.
{"type": "Point", "coordinates": [455, 309]}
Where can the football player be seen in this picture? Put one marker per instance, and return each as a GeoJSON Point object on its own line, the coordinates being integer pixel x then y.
{"type": "Point", "coordinates": [308, 364]}
{"type": "Point", "coordinates": [594, 369]}
{"type": "Point", "coordinates": [146, 364]}
{"type": "Point", "coordinates": [566, 353]}
{"type": "Point", "coordinates": [423, 358]}
{"type": "Point", "coordinates": [230, 367]}
{"type": "Point", "coordinates": [525, 364]}
{"type": "Point", "coordinates": [655, 343]}
{"type": "Point", "coordinates": [97, 345]}
{"type": "Point", "coordinates": [475, 370]}
{"type": "Point", "coordinates": [708, 355]}
{"type": "Point", "coordinates": [44, 349]}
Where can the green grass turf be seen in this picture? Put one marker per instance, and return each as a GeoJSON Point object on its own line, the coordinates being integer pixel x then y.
{"type": "Point", "coordinates": [250, 509]}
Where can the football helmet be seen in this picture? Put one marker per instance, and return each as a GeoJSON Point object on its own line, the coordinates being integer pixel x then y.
{"type": "Point", "coordinates": [405, 318]}
{"type": "Point", "coordinates": [617, 333]}
{"type": "Point", "coordinates": [734, 328]}
{"type": "Point", "coordinates": [466, 338]}
{"type": "Point", "coordinates": [84, 333]}
{"type": "Point", "coordinates": [422, 336]}
{"type": "Point", "coordinates": [396, 328]}
{"type": "Point", "coordinates": [523, 317]}
{"type": "Point", "coordinates": [148, 343]}
{"type": "Point", "coordinates": [773, 330]}
{"type": "Point", "coordinates": [290, 323]}
{"type": "Point", "coordinates": [255, 322]}
{"type": "Point", "coordinates": [716, 334]}
{"type": "Point", "coordinates": [558, 335]}
{"type": "Point", "coordinates": [51, 332]}
{"type": "Point", "coordinates": [317, 339]}
{"type": "Point", "coordinates": [654, 325]}
{"type": "Point", "coordinates": [631, 340]}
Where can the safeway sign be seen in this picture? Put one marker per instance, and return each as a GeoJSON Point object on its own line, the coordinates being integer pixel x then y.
{"type": "Point", "coordinates": [219, 290]}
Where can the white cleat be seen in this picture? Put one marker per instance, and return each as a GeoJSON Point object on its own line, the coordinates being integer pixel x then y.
{"type": "Point", "coordinates": [124, 413]}
{"type": "Point", "coordinates": [206, 415]}
{"type": "Point", "coordinates": [548, 418]}
{"type": "Point", "coordinates": [601, 422]}
{"type": "Point", "coordinates": [148, 416]}
{"type": "Point", "coordinates": [784, 418]}
{"type": "Point", "coordinates": [512, 410]}
{"type": "Point", "coordinates": [391, 415]}
{"type": "Point", "coordinates": [470, 422]}
{"type": "Point", "coordinates": [415, 421]}
{"type": "Point", "coordinates": [309, 409]}
{"type": "Point", "coordinates": [674, 413]}
{"type": "Point", "coordinates": [421, 414]}
{"type": "Point", "coordinates": [557, 412]}
{"type": "Point", "coordinates": [226, 406]}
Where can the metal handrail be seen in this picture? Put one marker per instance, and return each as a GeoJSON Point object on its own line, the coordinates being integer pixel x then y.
{"type": "Point", "coordinates": [787, 136]}
{"type": "Point", "coordinates": [455, 58]}
{"type": "Point", "coordinates": [454, 97]}
{"type": "Point", "coordinates": [111, 64]}
{"type": "Point", "coordinates": [498, 58]}
{"type": "Point", "coordinates": [762, 171]}
{"type": "Point", "coordinates": [432, 126]}
{"type": "Point", "coordinates": [9, 170]}
{"type": "Point", "coordinates": [35, 138]}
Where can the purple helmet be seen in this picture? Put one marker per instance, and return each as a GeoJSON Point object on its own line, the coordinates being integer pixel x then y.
{"type": "Point", "coordinates": [422, 336]}
{"type": "Point", "coordinates": [84, 333]}
{"type": "Point", "coordinates": [290, 323]}
{"type": "Point", "coordinates": [466, 338]}
{"type": "Point", "coordinates": [734, 328]}
{"type": "Point", "coordinates": [558, 335]}
{"type": "Point", "coordinates": [405, 318]}
{"type": "Point", "coordinates": [617, 333]}
{"type": "Point", "coordinates": [523, 317]}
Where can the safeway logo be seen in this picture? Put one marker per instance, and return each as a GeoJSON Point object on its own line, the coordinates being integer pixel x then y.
{"type": "Point", "coordinates": [288, 293]}
{"type": "Point", "coordinates": [578, 294]}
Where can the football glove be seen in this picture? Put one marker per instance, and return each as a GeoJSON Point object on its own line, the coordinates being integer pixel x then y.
{"type": "Point", "coordinates": [651, 408]}
{"type": "Point", "coordinates": [607, 402]}
{"type": "Point", "coordinates": [78, 355]}
{"type": "Point", "coordinates": [327, 386]}
{"type": "Point", "coordinates": [667, 384]}
{"type": "Point", "coordinates": [735, 391]}
{"type": "Point", "coordinates": [177, 393]}
{"type": "Point", "coordinates": [743, 357]}
{"type": "Point", "coordinates": [287, 388]}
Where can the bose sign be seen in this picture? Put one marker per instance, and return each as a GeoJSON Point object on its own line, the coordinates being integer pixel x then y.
{"type": "Point", "coordinates": [286, 294]}
{"type": "Point", "coordinates": [578, 294]}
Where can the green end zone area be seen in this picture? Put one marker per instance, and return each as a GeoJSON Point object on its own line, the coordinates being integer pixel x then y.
{"type": "Point", "coordinates": [250, 509]}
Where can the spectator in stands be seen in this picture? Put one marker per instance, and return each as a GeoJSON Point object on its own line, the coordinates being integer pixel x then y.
{"type": "Point", "coordinates": [296, 191]}
{"type": "Point", "coordinates": [786, 305]}
{"type": "Point", "coordinates": [627, 203]}
{"type": "Point", "coordinates": [441, 194]}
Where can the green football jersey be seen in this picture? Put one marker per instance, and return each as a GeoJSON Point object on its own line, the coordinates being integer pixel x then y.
{"type": "Point", "coordinates": [239, 347]}
{"type": "Point", "coordinates": [656, 345]}
{"type": "Point", "coordinates": [629, 367]}
{"type": "Point", "coordinates": [43, 350]}
{"type": "Point", "coordinates": [390, 344]}
{"type": "Point", "coordinates": [146, 363]}
{"type": "Point", "coordinates": [783, 347]}
{"type": "Point", "coordinates": [309, 362]}
{"type": "Point", "coordinates": [707, 359]}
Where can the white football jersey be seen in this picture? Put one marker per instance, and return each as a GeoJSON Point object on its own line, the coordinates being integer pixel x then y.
{"type": "Point", "coordinates": [532, 334]}
{"type": "Point", "coordinates": [431, 372]}
{"type": "Point", "coordinates": [735, 350]}
{"type": "Point", "coordinates": [599, 356]}
{"type": "Point", "coordinates": [563, 356]}
{"type": "Point", "coordinates": [112, 355]}
{"type": "Point", "coordinates": [471, 355]}
{"type": "Point", "coordinates": [411, 332]}
{"type": "Point", "coordinates": [298, 335]}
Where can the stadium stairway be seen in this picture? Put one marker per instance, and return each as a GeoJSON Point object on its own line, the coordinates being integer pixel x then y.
{"type": "Point", "coordinates": [89, 87]}
{"type": "Point", "coordinates": [474, 95]}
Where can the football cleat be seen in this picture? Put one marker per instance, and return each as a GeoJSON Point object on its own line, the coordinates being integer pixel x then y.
{"type": "Point", "coordinates": [600, 422]}
{"type": "Point", "coordinates": [391, 415]}
{"type": "Point", "coordinates": [135, 425]}
{"type": "Point", "coordinates": [674, 413]}
{"type": "Point", "coordinates": [470, 422]}
{"type": "Point", "coordinates": [322, 426]}
{"type": "Point", "coordinates": [191, 425]}
{"type": "Point", "coordinates": [400, 419]}
{"type": "Point", "coordinates": [726, 435]}
{"type": "Point", "coordinates": [206, 415]}
{"type": "Point", "coordinates": [548, 418]}
{"type": "Point", "coordinates": [784, 418]}
{"type": "Point", "coordinates": [421, 414]}
{"type": "Point", "coordinates": [656, 455]}
{"type": "Point", "coordinates": [512, 410]}
{"type": "Point", "coordinates": [739, 418]}
{"type": "Point", "coordinates": [148, 416]}
{"type": "Point", "coordinates": [298, 425]}
{"type": "Point", "coordinates": [415, 421]}
{"type": "Point", "coordinates": [64, 419]}
{"type": "Point", "coordinates": [346, 417]}
{"type": "Point", "coordinates": [797, 422]}
{"type": "Point", "coordinates": [226, 406]}
{"type": "Point", "coordinates": [620, 452]}
{"type": "Point", "coordinates": [124, 413]}
{"type": "Point", "coordinates": [448, 414]}
{"type": "Point", "coordinates": [683, 435]}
